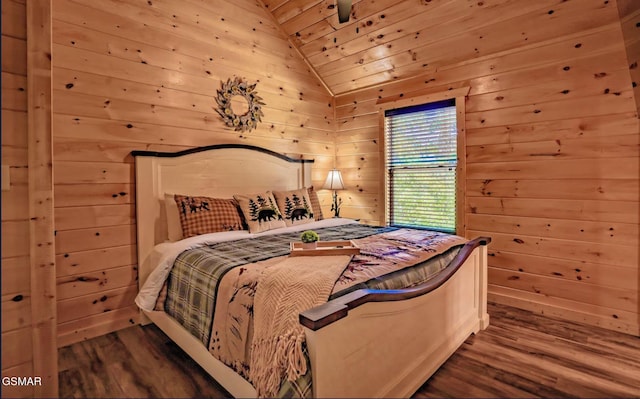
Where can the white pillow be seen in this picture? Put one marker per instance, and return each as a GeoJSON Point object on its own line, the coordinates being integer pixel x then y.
{"type": "Point", "coordinates": [174, 228]}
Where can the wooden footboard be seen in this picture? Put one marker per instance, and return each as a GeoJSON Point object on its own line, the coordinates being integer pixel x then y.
{"type": "Point", "coordinates": [388, 343]}
{"type": "Point", "coordinates": [376, 343]}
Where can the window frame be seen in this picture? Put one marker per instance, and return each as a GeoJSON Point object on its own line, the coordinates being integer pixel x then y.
{"type": "Point", "coordinates": [401, 101]}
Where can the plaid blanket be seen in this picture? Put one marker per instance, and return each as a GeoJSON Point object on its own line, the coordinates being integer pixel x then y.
{"type": "Point", "coordinates": [192, 285]}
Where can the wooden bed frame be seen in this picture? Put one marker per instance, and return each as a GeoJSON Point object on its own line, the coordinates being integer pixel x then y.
{"type": "Point", "coordinates": [365, 344]}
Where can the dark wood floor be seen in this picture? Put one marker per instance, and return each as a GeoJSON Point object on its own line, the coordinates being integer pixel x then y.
{"type": "Point", "coordinates": [521, 354]}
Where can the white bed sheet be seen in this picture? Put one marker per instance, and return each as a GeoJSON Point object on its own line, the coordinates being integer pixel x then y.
{"type": "Point", "coordinates": [165, 254]}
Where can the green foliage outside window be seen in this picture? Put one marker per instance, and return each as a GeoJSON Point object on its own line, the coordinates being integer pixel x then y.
{"type": "Point", "coordinates": [421, 160]}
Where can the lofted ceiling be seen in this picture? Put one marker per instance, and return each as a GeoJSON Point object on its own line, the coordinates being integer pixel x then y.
{"type": "Point", "coordinates": [376, 44]}
{"type": "Point", "coordinates": [386, 40]}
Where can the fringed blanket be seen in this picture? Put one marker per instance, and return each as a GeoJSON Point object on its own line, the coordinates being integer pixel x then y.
{"type": "Point", "coordinates": [283, 292]}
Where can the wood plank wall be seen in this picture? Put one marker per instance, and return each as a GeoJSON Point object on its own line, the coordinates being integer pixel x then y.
{"type": "Point", "coordinates": [143, 75]}
{"type": "Point", "coordinates": [629, 11]}
{"type": "Point", "coordinates": [552, 149]}
{"type": "Point", "coordinates": [17, 353]}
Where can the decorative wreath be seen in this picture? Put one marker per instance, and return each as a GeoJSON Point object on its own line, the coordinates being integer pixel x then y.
{"type": "Point", "coordinates": [237, 87]}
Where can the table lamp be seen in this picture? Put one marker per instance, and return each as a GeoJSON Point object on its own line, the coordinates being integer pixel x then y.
{"type": "Point", "coordinates": [334, 182]}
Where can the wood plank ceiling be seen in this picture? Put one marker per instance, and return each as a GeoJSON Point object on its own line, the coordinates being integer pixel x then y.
{"type": "Point", "coordinates": [365, 50]}
{"type": "Point", "coordinates": [387, 40]}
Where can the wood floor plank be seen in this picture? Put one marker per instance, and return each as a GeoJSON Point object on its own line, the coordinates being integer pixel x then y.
{"type": "Point", "coordinates": [520, 355]}
{"type": "Point", "coordinates": [508, 366]}
{"type": "Point", "coordinates": [483, 380]}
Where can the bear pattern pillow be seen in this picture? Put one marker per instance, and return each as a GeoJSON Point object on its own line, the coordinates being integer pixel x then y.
{"type": "Point", "coordinates": [202, 215]}
{"type": "Point", "coordinates": [295, 206]}
{"type": "Point", "coordinates": [260, 211]}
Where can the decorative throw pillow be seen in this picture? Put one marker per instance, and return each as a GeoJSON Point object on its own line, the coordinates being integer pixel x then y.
{"type": "Point", "coordinates": [315, 203]}
{"type": "Point", "coordinates": [260, 211]}
{"type": "Point", "coordinates": [295, 206]}
{"type": "Point", "coordinates": [202, 215]}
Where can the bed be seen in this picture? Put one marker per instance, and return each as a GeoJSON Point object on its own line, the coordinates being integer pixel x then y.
{"type": "Point", "coordinates": [365, 342]}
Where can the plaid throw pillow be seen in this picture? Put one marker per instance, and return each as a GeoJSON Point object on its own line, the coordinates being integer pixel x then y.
{"type": "Point", "coordinates": [202, 215]}
{"type": "Point", "coordinates": [260, 211]}
{"type": "Point", "coordinates": [315, 203]}
{"type": "Point", "coordinates": [295, 206]}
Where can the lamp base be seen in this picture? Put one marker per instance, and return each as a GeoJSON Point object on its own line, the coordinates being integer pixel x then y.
{"type": "Point", "coordinates": [335, 207]}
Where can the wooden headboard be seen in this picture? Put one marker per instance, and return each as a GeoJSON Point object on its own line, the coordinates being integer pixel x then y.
{"type": "Point", "coordinates": [217, 171]}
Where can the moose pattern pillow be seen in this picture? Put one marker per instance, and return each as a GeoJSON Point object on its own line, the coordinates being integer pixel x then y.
{"type": "Point", "coordinates": [260, 211]}
{"type": "Point", "coordinates": [202, 215]}
{"type": "Point", "coordinates": [295, 206]}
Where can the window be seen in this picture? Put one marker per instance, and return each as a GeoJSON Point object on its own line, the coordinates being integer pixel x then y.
{"type": "Point", "coordinates": [421, 161]}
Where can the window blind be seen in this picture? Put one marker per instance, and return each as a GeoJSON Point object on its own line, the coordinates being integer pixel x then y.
{"type": "Point", "coordinates": [421, 160]}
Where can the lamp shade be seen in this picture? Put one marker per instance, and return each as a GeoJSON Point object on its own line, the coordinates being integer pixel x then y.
{"type": "Point", "coordinates": [334, 181]}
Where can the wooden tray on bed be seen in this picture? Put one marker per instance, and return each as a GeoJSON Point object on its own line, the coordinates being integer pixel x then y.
{"type": "Point", "coordinates": [326, 248]}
